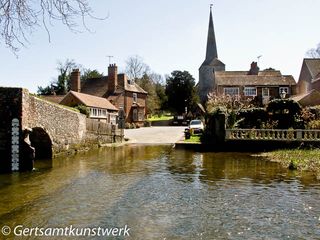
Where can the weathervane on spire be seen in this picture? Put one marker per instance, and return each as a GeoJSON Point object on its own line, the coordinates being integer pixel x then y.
{"type": "Point", "coordinates": [211, 6]}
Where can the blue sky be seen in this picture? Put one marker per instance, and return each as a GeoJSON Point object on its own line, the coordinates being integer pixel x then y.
{"type": "Point", "coordinates": [171, 35]}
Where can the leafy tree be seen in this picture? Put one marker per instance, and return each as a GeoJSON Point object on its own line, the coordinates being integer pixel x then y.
{"type": "Point", "coordinates": [88, 73]}
{"type": "Point", "coordinates": [148, 85]}
{"type": "Point", "coordinates": [161, 94]}
{"type": "Point", "coordinates": [65, 69]}
{"type": "Point", "coordinates": [62, 84]}
{"type": "Point", "coordinates": [19, 18]}
{"type": "Point", "coordinates": [180, 90]}
{"type": "Point", "coordinates": [48, 90]}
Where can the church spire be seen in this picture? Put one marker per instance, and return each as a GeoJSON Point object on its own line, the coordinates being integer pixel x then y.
{"type": "Point", "coordinates": [211, 42]}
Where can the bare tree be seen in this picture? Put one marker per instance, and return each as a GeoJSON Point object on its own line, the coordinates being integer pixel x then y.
{"type": "Point", "coordinates": [60, 85]}
{"type": "Point", "coordinates": [136, 68]}
{"type": "Point", "coordinates": [18, 18]}
{"type": "Point", "coordinates": [314, 52]}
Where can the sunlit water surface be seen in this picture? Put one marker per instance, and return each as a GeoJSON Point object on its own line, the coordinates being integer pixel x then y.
{"type": "Point", "coordinates": [163, 193]}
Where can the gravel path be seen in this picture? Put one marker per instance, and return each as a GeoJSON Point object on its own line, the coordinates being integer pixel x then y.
{"type": "Point", "coordinates": [155, 135]}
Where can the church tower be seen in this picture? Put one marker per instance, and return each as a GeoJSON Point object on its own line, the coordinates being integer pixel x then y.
{"type": "Point", "coordinates": [210, 65]}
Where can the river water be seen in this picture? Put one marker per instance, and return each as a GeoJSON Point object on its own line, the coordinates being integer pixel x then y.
{"type": "Point", "coordinates": [163, 193]}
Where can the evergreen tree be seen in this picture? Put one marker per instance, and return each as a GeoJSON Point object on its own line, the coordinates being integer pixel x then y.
{"type": "Point", "coordinates": [180, 90]}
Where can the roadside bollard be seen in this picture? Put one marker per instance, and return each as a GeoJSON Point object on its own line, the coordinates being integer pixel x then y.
{"type": "Point", "coordinates": [187, 133]}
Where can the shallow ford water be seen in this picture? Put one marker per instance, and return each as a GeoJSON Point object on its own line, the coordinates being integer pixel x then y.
{"type": "Point", "coordinates": [163, 193]}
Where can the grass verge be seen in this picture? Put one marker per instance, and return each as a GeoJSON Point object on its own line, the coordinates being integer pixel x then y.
{"type": "Point", "coordinates": [161, 118]}
{"type": "Point", "coordinates": [300, 159]}
{"type": "Point", "coordinates": [193, 139]}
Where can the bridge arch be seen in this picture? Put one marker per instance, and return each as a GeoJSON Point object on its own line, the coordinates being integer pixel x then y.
{"type": "Point", "coordinates": [42, 143]}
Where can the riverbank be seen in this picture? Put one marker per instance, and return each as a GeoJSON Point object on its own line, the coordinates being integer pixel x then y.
{"type": "Point", "coordinates": [300, 159]}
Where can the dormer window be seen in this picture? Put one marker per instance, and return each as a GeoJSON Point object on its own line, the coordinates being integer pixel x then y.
{"type": "Point", "coordinates": [135, 97]}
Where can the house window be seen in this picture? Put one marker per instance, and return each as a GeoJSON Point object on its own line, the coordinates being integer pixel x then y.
{"type": "Point", "coordinates": [95, 112]}
{"type": "Point", "coordinates": [232, 91]}
{"type": "Point", "coordinates": [265, 92]}
{"type": "Point", "coordinates": [285, 89]}
{"type": "Point", "coordinates": [135, 114]}
{"type": "Point", "coordinates": [135, 97]}
{"type": "Point", "coordinates": [250, 91]}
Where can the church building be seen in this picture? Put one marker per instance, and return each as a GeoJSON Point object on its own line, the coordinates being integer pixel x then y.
{"type": "Point", "coordinates": [262, 86]}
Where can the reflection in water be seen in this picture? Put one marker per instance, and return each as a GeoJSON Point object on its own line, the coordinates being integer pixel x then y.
{"type": "Point", "coordinates": [162, 193]}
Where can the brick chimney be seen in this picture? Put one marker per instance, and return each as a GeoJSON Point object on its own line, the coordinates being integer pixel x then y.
{"type": "Point", "coordinates": [254, 69]}
{"type": "Point", "coordinates": [75, 80]}
{"type": "Point", "coordinates": [122, 80]}
{"type": "Point", "coordinates": [112, 77]}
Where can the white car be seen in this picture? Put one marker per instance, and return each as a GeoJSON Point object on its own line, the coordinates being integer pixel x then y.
{"type": "Point", "coordinates": [196, 126]}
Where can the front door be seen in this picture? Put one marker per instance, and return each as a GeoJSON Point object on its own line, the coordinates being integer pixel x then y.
{"type": "Point", "coordinates": [265, 96]}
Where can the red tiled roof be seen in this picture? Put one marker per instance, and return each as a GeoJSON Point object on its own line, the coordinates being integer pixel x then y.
{"type": "Point", "coordinates": [92, 101]}
{"type": "Point", "coordinates": [133, 87]}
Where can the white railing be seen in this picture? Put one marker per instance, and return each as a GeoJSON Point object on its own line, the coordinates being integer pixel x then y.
{"type": "Point", "coordinates": [273, 134]}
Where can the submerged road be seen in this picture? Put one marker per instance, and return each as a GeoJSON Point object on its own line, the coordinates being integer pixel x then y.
{"type": "Point", "coordinates": [155, 135]}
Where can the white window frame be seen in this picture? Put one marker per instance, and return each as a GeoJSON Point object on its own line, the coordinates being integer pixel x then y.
{"type": "Point", "coordinates": [234, 91]}
{"type": "Point", "coordinates": [286, 89]}
{"type": "Point", "coordinates": [98, 113]}
{"type": "Point", "coordinates": [135, 97]}
{"type": "Point", "coordinates": [250, 91]}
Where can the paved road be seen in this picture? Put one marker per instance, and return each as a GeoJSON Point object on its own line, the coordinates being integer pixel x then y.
{"type": "Point", "coordinates": [155, 135]}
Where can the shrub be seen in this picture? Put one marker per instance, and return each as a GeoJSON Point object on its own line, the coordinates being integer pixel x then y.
{"type": "Point", "coordinates": [314, 124]}
{"type": "Point", "coordinates": [316, 111]}
{"type": "Point", "coordinates": [127, 125]}
{"type": "Point", "coordinates": [83, 109]}
{"type": "Point", "coordinates": [286, 112]}
{"type": "Point", "coordinates": [252, 117]}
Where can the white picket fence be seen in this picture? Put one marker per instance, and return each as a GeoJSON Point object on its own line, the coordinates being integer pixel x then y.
{"type": "Point", "coordinates": [273, 134]}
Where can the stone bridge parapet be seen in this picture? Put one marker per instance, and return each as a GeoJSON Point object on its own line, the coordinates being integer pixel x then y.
{"type": "Point", "coordinates": [54, 128]}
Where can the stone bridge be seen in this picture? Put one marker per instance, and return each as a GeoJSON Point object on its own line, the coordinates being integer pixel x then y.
{"type": "Point", "coordinates": [54, 128]}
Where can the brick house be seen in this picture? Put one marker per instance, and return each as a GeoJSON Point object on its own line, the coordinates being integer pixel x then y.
{"type": "Point", "coordinates": [121, 92]}
{"type": "Point", "coordinates": [309, 78]}
{"type": "Point", "coordinates": [262, 86]}
{"type": "Point", "coordinates": [99, 108]}
{"type": "Point", "coordinates": [259, 85]}
{"type": "Point", "coordinates": [308, 87]}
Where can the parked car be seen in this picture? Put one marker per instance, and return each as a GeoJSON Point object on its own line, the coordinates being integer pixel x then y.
{"type": "Point", "coordinates": [196, 126]}
{"type": "Point", "coordinates": [180, 120]}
